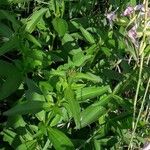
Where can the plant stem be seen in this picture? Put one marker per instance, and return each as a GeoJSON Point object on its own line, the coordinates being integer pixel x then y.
{"type": "Point", "coordinates": [141, 60]}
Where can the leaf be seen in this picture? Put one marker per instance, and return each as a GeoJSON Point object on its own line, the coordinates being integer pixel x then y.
{"type": "Point", "coordinates": [27, 145]}
{"type": "Point", "coordinates": [34, 19]}
{"type": "Point", "coordinates": [5, 30]}
{"type": "Point", "coordinates": [59, 140]}
{"type": "Point", "coordinates": [9, 45]}
{"type": "Point", "coordinates": [126, 104]}
{"type": "Point", "coordinates": [106, 51]}
{"type": "Point", "coordinates": [33, 40]}
{"type": "Point", "coordinates": [56, 120]}
{"type": "Point", "coordinates": [133, 2]}
{"type": "Point", "coordinates": [73, 105]}
{"type": "Point", "coordinates": [60, 26]}
{"type": "Point", "coordinates": [10, 136]}
{"type": "Point", "coordinates": [16, 121]}
{"type": "Point", "coordinates": [87, 35]}
{"type": "Point", "coordinates": [33, 86]}
{"type": "Point", "coordinates": [92, 50]}
{"type": "Point", "coordinates": [91, 92]}
{"type": "Point", "coordinates": [79, 59]}
{"type": "Point", "coordinates": [12, 79]}
{"type": "Point", "coordinates": [27, 107]}
{"type": "Point", "coordinates": [91, 114]}
{"type": "Point", "coordinates": [95, 111]}
{"type": "Point", "coordinates": [104, 100]}
{"type": "Point", "coordinates": [7, 15]}
{"type": "Point", "coordinates": [88, 76]}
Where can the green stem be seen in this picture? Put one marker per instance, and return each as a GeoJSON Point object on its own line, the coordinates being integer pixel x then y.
{"type": "Point", "coordinates": [141, 55]}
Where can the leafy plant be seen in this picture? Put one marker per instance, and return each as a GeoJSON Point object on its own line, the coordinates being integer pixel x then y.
{"type": "Point", "coordinates": [74, 74]}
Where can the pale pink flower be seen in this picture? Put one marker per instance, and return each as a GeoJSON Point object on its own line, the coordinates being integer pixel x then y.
{"type": "Point", "coordinates": [132, 34]}
{"type": "Point", "coordinates": [128, 11]}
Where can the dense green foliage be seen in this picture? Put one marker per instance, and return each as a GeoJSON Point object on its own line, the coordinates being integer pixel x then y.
{"type": "Point", "coordinates": [74, 74]}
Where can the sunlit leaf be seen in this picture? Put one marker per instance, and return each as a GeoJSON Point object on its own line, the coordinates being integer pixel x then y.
{"type": "Point", "coordinates": [34, 19]}
{"type": "Point", "coordinates": [73, 105]}
{"type": "Point", "coordinates": [91, 92]}
{"type": "Point", "coordinates": [88, 76]}
{"type": "Point", "coordinates": [33, 40]}
{"type": "Point", "coordinates": [91, 114]}
{"type": "Point", "coordinates": [60, 25]}
{"type": "Point", "coordinates": [27, 145]}
{"type": "Point", "coordinates": [87, 35]}
{"type": "Point", "coordinates": [59, 140]}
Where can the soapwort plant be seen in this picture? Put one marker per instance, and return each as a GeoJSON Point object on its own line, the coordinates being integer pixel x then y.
{"type": "Point", "coordinates": [74, 74]}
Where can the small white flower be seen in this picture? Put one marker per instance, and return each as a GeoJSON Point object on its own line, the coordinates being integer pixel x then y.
{"type": "Point", "coordinates": [146, 147]}
{"type": "Point", "coordinates": [139, 7]}
{"type": "Point", "coordinates": [111, 16]}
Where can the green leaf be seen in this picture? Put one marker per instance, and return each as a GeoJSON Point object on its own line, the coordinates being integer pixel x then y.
{"type": "Point", "coordinates": [33, 86]}
{"type": "Point", "coordinates": [56, 120]}
{"type": "Point", "coordinates": [9, 45]}
{"type": "Point", "coordinates": [7, 15]}
{"type": "Point", "coordinates": [59, 140]}
{"type": "Point", "coordinates": [12, 79]}
{"type": "Point", "coordinates": [10, 136]}
{"type": "Point", "coordinates": [133, 2]}
{"type": "Point", "coordinates": [27, 107]}
{"type": "Point", "coordinates": [104, 100]}
{"type": "Point", "coordinates": [16, 121]}
{"type": "Point", "coordinates": [27, 145]}
{"type": "Point", "coordinates": [73, 105]}
{"type": "Point", "coordinates": [79, 59]}
{"type": "Point", "coordinates": [91, 114]}
{"type": "Point", "coordinates": [106, 51]}
{"type": "Point", "coordinates": [5, 30]}
{"type": "Point", "coordinates": [91, 92]}
{"type": "Point", "coordinates": [88, 76]}
{"type": "Point", "coordinates": [34, 19]}
{"type": "Point", "coordinates": [60, 26]}
{"type": "Point", "coordinates": [87, 35]}
{"type": "Point", "coordinates": [33, 40]}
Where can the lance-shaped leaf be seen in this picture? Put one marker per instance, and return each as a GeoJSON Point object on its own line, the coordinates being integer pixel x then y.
{"type": "Point", "coordinates": [28, 107]}
{"type": "Point", "coordinates": [33, 40]}
{"type": "Point", "coordinates": [12, 79]}
{"type": "Point", "coordinates": [88, 76]}
{"type": "Point", "coordinates": [73, 105]}
{"type": "Point", "coordinates": [87, 35]}
{"type": "Point", "coordinates": [94, 111]}
{"type": "Point", "coordinates": [91, 92]}
{"type": "Point", "coordinates": [11, 17]}
{"type": "Point", "coordinates": [34, 19]}
{"type": "Point", "coordinates": [5, 30]}
{"type": "Point", "coordinates": [91, 114]}
{"type": "Point", "coordinates": [9, 45]}
{"type": "Point", "coordinates": [59, 140]}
